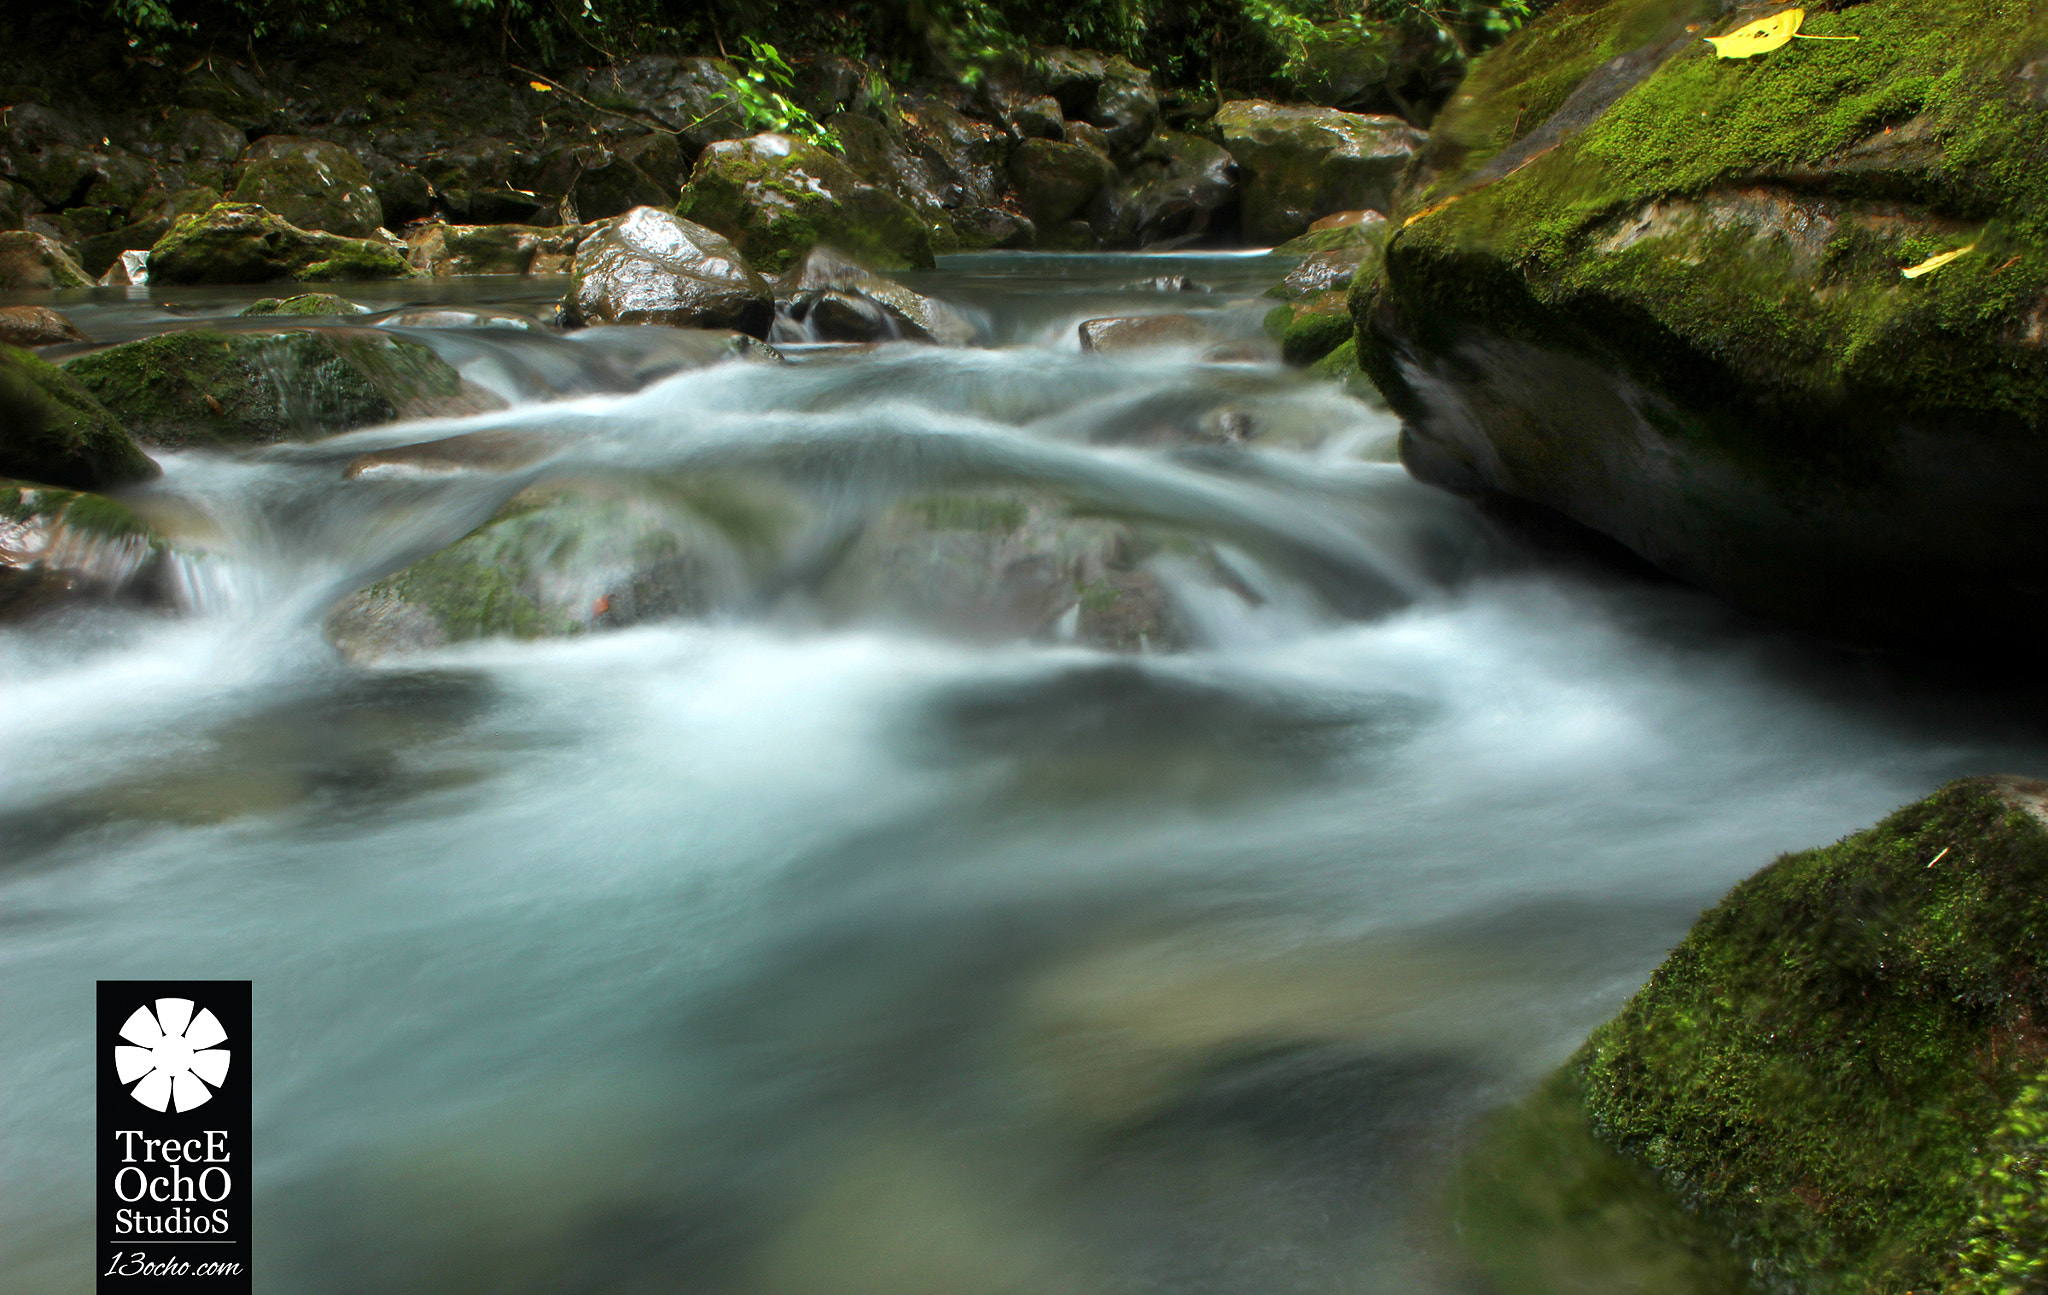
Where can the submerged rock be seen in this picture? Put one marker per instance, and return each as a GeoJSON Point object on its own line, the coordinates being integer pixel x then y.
{"type": "Point", "coordinates": [1301, 163]}
{"type": "Point", "coordinates": [559, 559]}
{"type": "Point", "coordinates": [206, 388]}
{"type": "Point", "coordinates": [1840, 1071]}
{"type": "Point", "coordinates": [1662, 294]}
{"type": "Point", "coordinates": [311, 184]}
{"type": "Point", "coordinates": [60, 546]}
{"type": "Point", "coordinates": [32, 262]}
{"type": "Point", "coordinates": [36, 326]}
{"type": "Point", "coordinates": [235, 242]}
{"type": "Point", "coordinates": [832, 299]}
{"type": "Point", "coordinates": [776, 197]}
{"type": "Point", "coordinates": [53, 431]}
{"type": "Point", "coordinates": [1135, 332]}
{"type": "Point", "coordinates": [650, 267]}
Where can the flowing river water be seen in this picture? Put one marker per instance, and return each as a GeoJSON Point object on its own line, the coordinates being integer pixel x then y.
{"type": "Point", "coordinates": [817, 943]}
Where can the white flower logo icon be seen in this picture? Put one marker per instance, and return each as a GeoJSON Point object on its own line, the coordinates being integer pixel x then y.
{"type": "Point", "coordinates": [174, 1055]}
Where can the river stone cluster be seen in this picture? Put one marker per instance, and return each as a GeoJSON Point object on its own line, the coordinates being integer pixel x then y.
{"type": "Point", "coordinates": [311, 179]}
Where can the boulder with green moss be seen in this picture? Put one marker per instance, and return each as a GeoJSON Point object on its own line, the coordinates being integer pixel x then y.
{"type": "Point", "coordinates": [311, 183]}
{"type": "Point", "coordinates": [207, 388]}
{"type": "Point", "coordinates": [1838, 1081]}
{"type": "Point", "coordinates": [559, 559]}
{"type": "Point", "coordinates": [1694, 303]}
{"type": "Point", "coordinates": [314, 304]}
{"type": "Point", "coordinates": [1056, 182]}
{"type": "Point", "coordinates": [775, 197]}
{"type": "Point", "coordinates": [54, 431]}
{"type": "Point", "coordinates": [32, 262]}
{"type": "Point", "coordinates": [1301, 163]}
{"type": "Point", "coordinates": [239, 242]}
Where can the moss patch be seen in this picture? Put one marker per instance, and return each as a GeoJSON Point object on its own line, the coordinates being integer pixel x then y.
{"type": "Point", "coordinates": [1839, 1068]}
{"type": "Point", "coordinates": [53, 430]}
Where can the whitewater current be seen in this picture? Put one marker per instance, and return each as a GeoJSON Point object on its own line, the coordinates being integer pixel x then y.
{"type": "Point", "coordinates": [800, 947]}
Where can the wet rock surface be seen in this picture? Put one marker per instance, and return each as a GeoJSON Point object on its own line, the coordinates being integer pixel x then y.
{"type": "Point", "coordinates": [1301, 163]}
{"type": "Point", "coordinates": [33, 326]}
{"type": "Point", "coordinates": [775, 197]}
{"type": "Point", "coordinates": [309, 183]}
{"type": "Point", "coordinates": [650, 267]}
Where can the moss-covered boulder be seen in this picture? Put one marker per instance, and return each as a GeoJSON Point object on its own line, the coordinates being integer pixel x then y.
{"type": "Point", "coordinates": [776, 197]}
{"type": "Point", "coordinates": [53, 430]}
{"type": "Point", "coordinates": [311, 183]}
{"type": "Point", "coordinates": [32, 262]}
{"type": "Point", "coordinates": [207, 388]}
{"type": "Point", "coordinates": [1668, 295]}
{"type": "Point", "coordinates": [239, 242]}
{"type": "Point", "coordinates": [650, 267]}
{"type": "Point", "coordinates": [1841, 1072]}
{"type": "Point", "coordinates": [1301, 163]}
{"type": "Point", "coordinates": [1178, 186]}
{"type": "Point", "coordinates": [1104, 91]}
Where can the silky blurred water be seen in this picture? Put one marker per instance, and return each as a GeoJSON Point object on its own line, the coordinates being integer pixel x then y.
{"type": "Point", "coordinates": [773, 953]}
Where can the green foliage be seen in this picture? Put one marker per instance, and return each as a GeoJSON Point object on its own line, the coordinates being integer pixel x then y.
{"type": "Point", "coordinates": [761, 96]}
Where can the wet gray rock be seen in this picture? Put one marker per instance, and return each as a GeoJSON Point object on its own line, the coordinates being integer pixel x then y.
{"type": "Point", "coordinates": [1055, 182]}
{"type": "Point", "coordinates": [1181, 186]}
{"type": "Point", "coordinates": [1036, 118]}
{"type": "Point", "coordinates": [1301, 163]}
{"type": "Point", "coordinates": [62, 547]}
{"type": "Point", "coordinates": [442, 250]}
{"type": "Point", "coordinates": [831, 298]}
{"type": "Point", "coordinates": [1135, 332]}
{"type": "Point", "coordinates": [32, 262]}
{"type": "Point", "coordinates": [403, 193]}
{"type": "Point", "coordinates": [477, 180]}
{"type": "Point", "coordinates": [311, 183]}
{"type": "Point", "coordinates": [1105, 91]}
{"type": "Point", "coordinates": [652, 267]}
{"type": "Point", "coordinates": [36, 326]}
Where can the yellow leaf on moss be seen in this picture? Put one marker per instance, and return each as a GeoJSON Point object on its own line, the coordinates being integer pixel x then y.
{"type": "Point", "coordinates": [1933, 263]}
{"type": "Point", "coordinates": [541, 86]}
{"type": "Point", "coordinates": [1759, 37]}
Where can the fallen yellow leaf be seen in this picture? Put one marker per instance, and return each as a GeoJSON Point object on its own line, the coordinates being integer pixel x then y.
{"type": "Point", "coordinates": [541, 86]}
{"type": "Point", "coordinates": [1431, 210]}
{"type": "Point", "coordinates": [1933, 263]}
{"type": "Point", "coordinates": [1759, 37]}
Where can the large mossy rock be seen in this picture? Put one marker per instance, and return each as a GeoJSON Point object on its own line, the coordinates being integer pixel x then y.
{"type": "Point", "coordinates": [311, 183]}
{"type": "Point", "coordinates": [239, 242]}
{"type": "Point", "coordinates": [52, 430]}
{"type": "Point", "coordinates": [650, 267]}
{"type": "Point", "coordinates": [1301, 163]}
{"type": "Point", "coordinates": [1662, 293]}
{"type": "Point", "coordinates": [207, 388]}
{"type": "Point", "coordinates": [776, 197]}
{"type": "Point", "coordinates": [1055, 181]}
{"type": "Point", "coordinates": [1841, 1072]}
